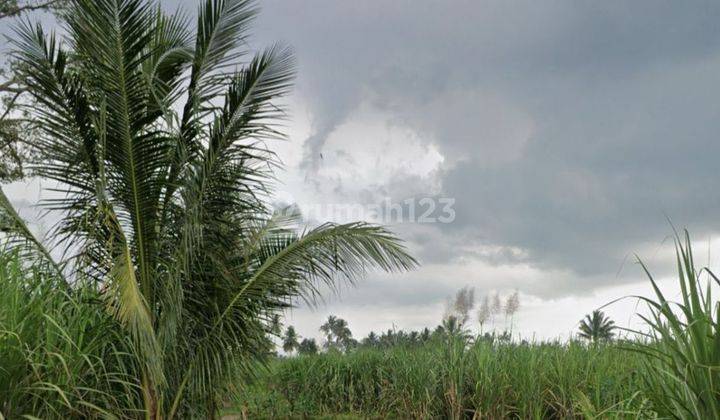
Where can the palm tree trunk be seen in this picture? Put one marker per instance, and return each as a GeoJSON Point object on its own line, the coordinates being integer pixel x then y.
{"type": "Point", "coordinates": [150, 396]}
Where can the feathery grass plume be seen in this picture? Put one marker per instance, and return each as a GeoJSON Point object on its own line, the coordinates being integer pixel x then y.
{"type": "Point", "coordinates": [496, 303]}
{"type": "Point", "coordinates": [484, 312]}
{"type": "Point", "coordinates": [460, 306]}
{"type": "Point", "coordinates": [495, 308]}
{"type": "Point", "coordinates": [512, 305]}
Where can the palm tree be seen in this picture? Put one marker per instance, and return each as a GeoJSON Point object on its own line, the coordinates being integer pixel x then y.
{"type": "Point", "coordinates": [425, 335]}
{"type": "Point", "coordinates": [156, 138]}
{"type": "Point", "coordinates": [337, 333]}
{"type": "Point", "coordinates": [597, 327]}
{"type": "Point", "coordinates": [308, 346]}
{"type": "Point", "coordinates": [290, 340]}
{"type": "Point", "coordinates": [453, 326]}
{"type": "Point", "coordinates": [371, 340]}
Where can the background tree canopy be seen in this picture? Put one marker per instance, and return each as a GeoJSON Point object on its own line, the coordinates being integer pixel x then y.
{"type": "Point", "coordinates": [15, 129]}
{"type": "Point", "coordinates": [10, 8]}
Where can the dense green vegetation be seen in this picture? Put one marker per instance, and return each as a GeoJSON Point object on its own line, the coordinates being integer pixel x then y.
{"type": "Point", "coordinates": [452, 378]}
{"type": "Point", "coordinates": [61, 353]}
{"type": "Point", "coordinates": [671, 370]}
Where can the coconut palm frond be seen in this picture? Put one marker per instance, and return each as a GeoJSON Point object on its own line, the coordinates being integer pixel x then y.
{"type": "Point", "coordinates": [15, 234]}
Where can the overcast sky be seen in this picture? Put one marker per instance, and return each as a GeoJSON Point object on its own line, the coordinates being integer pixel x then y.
{"type": "Point", "coordinates": [567, 133]}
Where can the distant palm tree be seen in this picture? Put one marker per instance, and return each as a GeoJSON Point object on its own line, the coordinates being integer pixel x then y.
{"type": "Point", "coordinates": [371, 340]}
{"type": "Point", "coordinates": [290, 340]}
{"type": "Point", "coordinates": [452, 327]}
{"type": "Point", "coordinates": [308, 346]}
{"type": "Point", "coordinates": [387, 338]}
{"type": "Point", "coordinates": [597, 327]}
{"type": "Point", "coordinates": [425, 334]}
{"type": "Point", "coordinates": [337, 333]}
{"type": "Point", "coordinates": [156, 135]}
{"type": "Point", "coordinates": [275, 325]}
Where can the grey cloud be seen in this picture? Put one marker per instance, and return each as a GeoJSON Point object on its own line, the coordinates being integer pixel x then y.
{"type": "Point", "coordinates": [605, 171]}
{"type": "Point", "coordinates": [571, 129]}
{"type": "Point", "coordinates": [618, 95]}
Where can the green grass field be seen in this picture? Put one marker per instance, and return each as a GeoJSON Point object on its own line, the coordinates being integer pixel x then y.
{"type": "Point", "coordinates": [454, 378]}
{"type": "Point", "coordinates": [670, 370]}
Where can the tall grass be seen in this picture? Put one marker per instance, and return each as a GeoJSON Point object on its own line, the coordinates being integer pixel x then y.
{"type": "Point", "coordinates": [449, 379]}
{"type": "Point", "coordinates": [682, 371]}
{"type": "Point", "coordinates": [61, 354]}
{"type": "Point", "coordinates": [671, 371]}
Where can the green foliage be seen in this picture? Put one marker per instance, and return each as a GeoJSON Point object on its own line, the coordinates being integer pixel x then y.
{"type": "Point", "coordinates": [16, 130]}
{"type": "Point", "coordinates": [11, 8]}
{"type": "Point", "coordinates": [61, 354]}
{"type": "Point", "coordinates": [391, 338]}
{"type": "Point", "coordinates": [597, 327]}
{"type": "Point", "coordinates": [451, 378]}
{"type": "Point", "coordinates": [671, 372]}
{"type": "Point", "coordinates": [338, 336]}
{"type": "Point", "coordinates": [308, 346]}
{"type": "Point", "coordinates": [682, 371]}
{"type": "Point", "coordinates": [177, 268]}
{"type": "Point", "coordinates": [290, 340]}
{"type": "Point", "coordinates": [12, 156]}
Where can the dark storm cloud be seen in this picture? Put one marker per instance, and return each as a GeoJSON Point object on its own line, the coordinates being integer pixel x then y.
{"type": "Point", "coordinates": [571, 129]}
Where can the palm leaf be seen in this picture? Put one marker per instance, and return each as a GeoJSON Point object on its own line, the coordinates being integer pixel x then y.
{"type": "Point", "coordinates": [221, 25]}
{"type": "Point", "coordinates": [15, 234]}
{"type": "Point", "coordinates": [115, 38]}
{"type": "Point", "coordinates": [125, 300]}
{"type": "Point", "coordinates": [287, 266]}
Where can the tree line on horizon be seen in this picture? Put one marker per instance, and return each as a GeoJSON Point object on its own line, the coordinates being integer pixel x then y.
{"type": "Point", "coordinates": [594, 328]}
